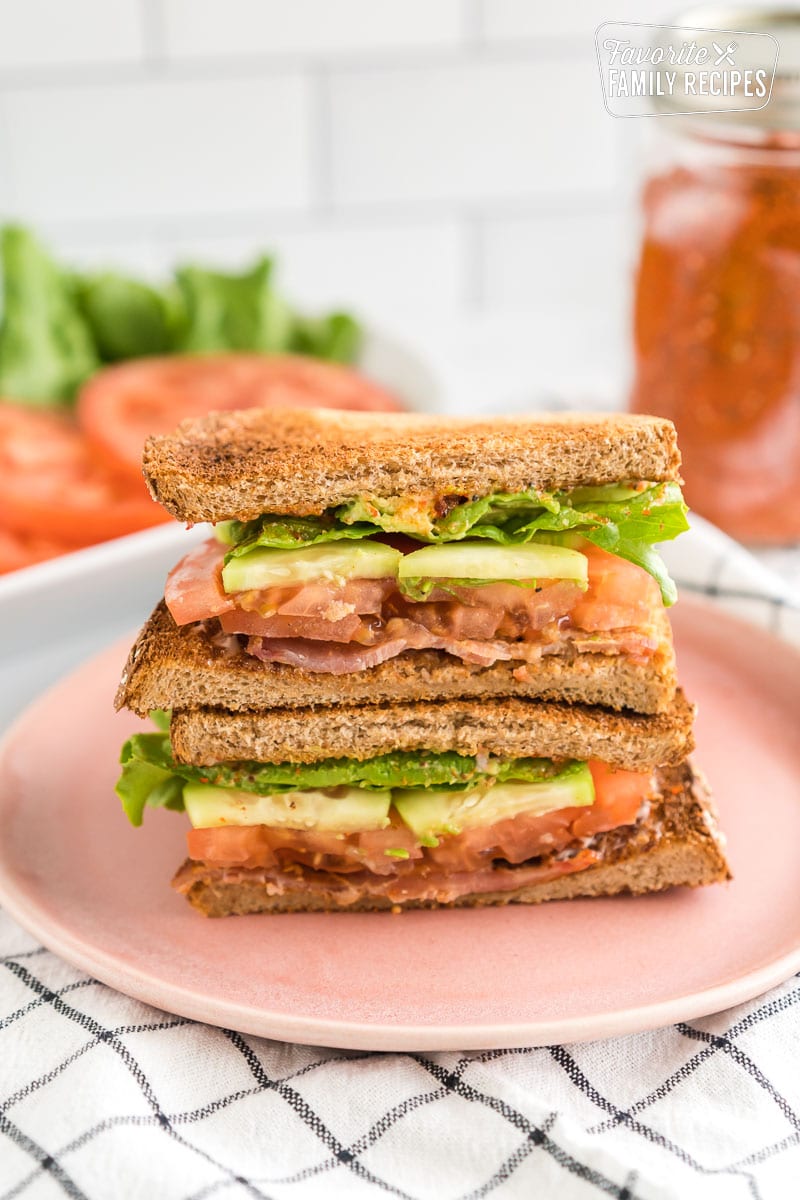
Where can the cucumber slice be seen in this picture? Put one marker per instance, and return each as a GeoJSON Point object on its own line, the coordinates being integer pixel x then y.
{"type": "Point", "coordinates": [331, 810]}
{"type": "Point", "coordinates": [490, 561]}
{"type": "Point", "coordinates": [428, 812]}
{"type": "Point", "coordinates": [608, 493]}
{"type": "Point", "coordinates": [263, 567]}
{"type": "Point", "coordinates": [223, 532]}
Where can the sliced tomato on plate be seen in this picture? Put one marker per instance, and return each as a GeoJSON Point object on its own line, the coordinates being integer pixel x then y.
{"type": "Point", "coordinates": [54, 487]}
{"type": "Point", "coordinates": [122, 405]}
{"type": "Point", "coordinates": [17, 550]}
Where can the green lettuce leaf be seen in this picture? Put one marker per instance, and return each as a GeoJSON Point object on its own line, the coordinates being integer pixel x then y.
{"type": "Point", "coordinates": [151, 776]}
{"type": "Point", "coordinates": [233, 311]}
{"type": "Point", "coordinates": [656, 514]}
{"type": "Point", "coordinates": [624, 521]}
{"type": "Point", "coordinates": [148, 778]}
{"type": "Point", "coordinates": [46, 345]}
{"type": "Point", "coordinates": [286, 533]}
{"type": "Point", "coordinates": [128, 319]}
{"type": "Point", "coordinates": [59, 326]}
{"type": "Point", "coordinates": [337, 337]}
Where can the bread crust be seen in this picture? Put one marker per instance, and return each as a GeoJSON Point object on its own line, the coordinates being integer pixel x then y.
{"type": "Point", "coordinates": [183, 668]}
{"type": "Point", "coordinates": [679, 846]}
{"type": "Point", "coordinates": [238, 465]}
{"type": "Point", "coordinates": [503, 726]}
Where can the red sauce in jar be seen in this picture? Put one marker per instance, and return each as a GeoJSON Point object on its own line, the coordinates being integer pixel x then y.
{"type": "Point", "coordinates": [717, 337]}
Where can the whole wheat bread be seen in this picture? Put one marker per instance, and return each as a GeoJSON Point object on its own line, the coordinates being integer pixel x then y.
{"type": "Point", "coordinates": [512, 727]}
{"type": "Point", "coordinates": [185, 668]}
{"type": "Point", "coordinates": [678, 846]}
{"type": "Point", "coordinates": [242, 464]}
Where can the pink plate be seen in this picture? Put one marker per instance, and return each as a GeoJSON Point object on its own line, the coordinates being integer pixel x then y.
{"type": "Point", "coordinates": [95, 891]}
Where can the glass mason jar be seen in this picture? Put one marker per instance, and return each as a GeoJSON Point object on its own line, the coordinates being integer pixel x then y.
{"type": "Point", "coordinates": [717, 297]}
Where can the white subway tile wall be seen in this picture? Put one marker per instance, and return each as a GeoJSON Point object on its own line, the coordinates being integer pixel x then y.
{"type": "Point", "coordinates": [52, 33]}
{"type": "Point", "coordinates": [159, 148]}
{"type": "Point", "coordinates": [428, 158]}
{"type": "Point", "coordinates": [569, 258]}
{"type": "Point", "coordinates": [506, 19]}
{"type": "Point", "coordinates": [212, 28]}
{"type": "Point", "coordinates": [416, 266]}
{"type": "Point", "coordinates": [468, 133]}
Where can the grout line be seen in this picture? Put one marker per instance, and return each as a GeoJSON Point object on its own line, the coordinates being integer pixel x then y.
{"type": "Point", "coordinates": [256, 66]}
{"type": "Point", "coordinates": [74, 75]}
{"type": "Point", "coordinates": [472, 22]}
{"type": "Point", "coordinates": [320, 135]}
{"type": "Point", "coordinates": [8, 170]}
{"type": "Point", "coordinates": [473, 257]}
{"type": "Point", "coordinates": [451, 55]}
{"type": "Point", "coordinates": [337, 216]}
{"type": "Point", "coordinates": [151, 15]}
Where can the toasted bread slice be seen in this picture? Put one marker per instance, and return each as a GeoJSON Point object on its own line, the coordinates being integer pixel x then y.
{"type": "Point", "coordinates": [187, 668]}
{"type": "Point", "coordinates": [679, 845]}
{"type": "Point", "coordinates": [239, 465]}
{"type": "Point", "coordinates": [511, 727]}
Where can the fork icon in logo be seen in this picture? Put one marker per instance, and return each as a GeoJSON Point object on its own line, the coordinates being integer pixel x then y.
{"type": "Point", "coordinates": [725, 54]}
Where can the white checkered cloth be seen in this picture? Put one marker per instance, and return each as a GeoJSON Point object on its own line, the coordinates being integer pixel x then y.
{"type": "Point", "coordinates": [102, 1097]}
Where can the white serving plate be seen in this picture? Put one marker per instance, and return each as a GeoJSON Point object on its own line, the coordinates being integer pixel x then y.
{"type": "Point", "coordinates": [54, 614]}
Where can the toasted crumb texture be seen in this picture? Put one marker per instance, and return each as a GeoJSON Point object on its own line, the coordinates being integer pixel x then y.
{"type": "Point", "coordinates": [241, 464]}
{"type": "Point", "coordinates": [185, 668]}
{"type": "Point", "coordinates": [680, 846]}
{"type": "Point", "coordinates": [507, 726]}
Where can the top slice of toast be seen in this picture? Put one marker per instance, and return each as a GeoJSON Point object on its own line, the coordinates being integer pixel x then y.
{"type": "Point", "coordinates": [238, 465]}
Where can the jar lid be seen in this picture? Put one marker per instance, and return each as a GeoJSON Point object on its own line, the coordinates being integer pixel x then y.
{"type": "Point", "coordinates": [782, 111]}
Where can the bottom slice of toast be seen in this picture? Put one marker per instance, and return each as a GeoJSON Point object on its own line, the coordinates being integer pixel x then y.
{"type": "Point", "coordinates": [676, 844]}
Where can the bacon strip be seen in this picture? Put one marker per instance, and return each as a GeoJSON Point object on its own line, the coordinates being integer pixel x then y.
{"type": "Point", "coordinates": [331, 657]}
{"type": "Point", "coordinates": [400, 635]}
{"type": "Point", "coordinates": [345, 889]}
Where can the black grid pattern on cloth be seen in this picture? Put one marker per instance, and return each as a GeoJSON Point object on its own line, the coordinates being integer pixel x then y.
{"type": "Point", "coordinates": [101, 1096]}
{"type": "Point", "coordinates": [561, 1122]}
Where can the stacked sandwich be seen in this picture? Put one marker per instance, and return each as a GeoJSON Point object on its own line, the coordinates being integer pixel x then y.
{"type": "Point", "coordinates": [418, 662]}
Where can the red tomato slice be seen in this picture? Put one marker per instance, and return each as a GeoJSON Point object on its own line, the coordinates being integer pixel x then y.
{"type": "Point", "coordinates": [122, 405]}
{"type": "Point", "coordinates": [262, 845]}
{"type": "Point", "coordinates": [193, 591]}
{"type": "Point", "coordinates": [53, 486]}
{"type": "Point", "coordinates": [620, 594]}
{"type": "Point", "coordinates": [618, 797]}
{"type": "Point", "coordinates": [17, 550]}
{"type": "Point", "coordinates": [235, 845]}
